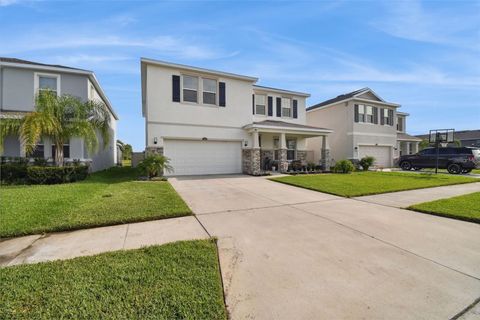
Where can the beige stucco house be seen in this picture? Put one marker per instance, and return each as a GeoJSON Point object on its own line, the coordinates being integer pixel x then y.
{"type": "Point", "coordinates": [363, 124]}
{"type": "Point", "coordinates": [214, 122]}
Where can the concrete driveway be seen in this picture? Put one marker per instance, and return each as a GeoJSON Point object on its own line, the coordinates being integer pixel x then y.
{"type": "Point", "coordinates": [291, 253]}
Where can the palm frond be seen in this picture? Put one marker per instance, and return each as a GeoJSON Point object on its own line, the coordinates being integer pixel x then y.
{"type": "Point", "coordinates": [8, 127]}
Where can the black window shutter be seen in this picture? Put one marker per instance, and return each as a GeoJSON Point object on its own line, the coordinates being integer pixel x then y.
{"type": "Point", "coordinates": [270, 106]}
{"type": "Point", "coordinates": [175, 88]}
{"type": "Point", "coordinates": [390, 117]}
{"type": "Point", "coordinates": [279, 107]}
{"type": "Point", "coordinates": [295, 108]}
{"type": "Point", "coordinates": [221, 96]}
{"type": "Point", "coordinates": [253, 103]}
{"type": "Point", "coordinates": [356, 113]}
{"type": "Point", "coordinates": [375, 115]}
{"type": "Point", "coordinates": [382, 118]}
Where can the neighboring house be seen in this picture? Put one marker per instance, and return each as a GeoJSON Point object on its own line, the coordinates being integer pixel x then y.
{"type": "Point", "coordinates": [363, 125]}
{"type": "Point", "coordinates": [21, 80]}
{"type": "Point", "coordinates": [467, 138]}
{"type": "Point", "coordinates": [213, 122]}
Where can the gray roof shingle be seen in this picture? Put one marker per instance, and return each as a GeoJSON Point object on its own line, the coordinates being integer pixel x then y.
{"type": "Point", "coordinates": [15, 60]}
{"type": "Point", "coordinates": [338, 98]}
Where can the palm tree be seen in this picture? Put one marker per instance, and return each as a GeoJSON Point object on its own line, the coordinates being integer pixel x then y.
{"type": "Point", "coordinates": [60, 118]}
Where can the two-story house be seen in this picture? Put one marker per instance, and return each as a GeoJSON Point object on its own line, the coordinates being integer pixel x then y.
{"type": "Point", "coordinates": [363, 125]}
{"type": "Point", "coordinates": [214, 122]}
{"type": "Point", "coordinates": [21, 80]}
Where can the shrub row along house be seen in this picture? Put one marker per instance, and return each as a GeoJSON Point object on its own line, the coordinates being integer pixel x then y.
{"type": "Point", "coordinates": [21, 82]}
{"type": "Point", "coordinates": [214, 122]}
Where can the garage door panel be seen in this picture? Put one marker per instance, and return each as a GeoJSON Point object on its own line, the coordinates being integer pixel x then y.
{"type": "Point", "coordinates": [193, 157]}
{"type": "Point", "coordinates": [382, 154]}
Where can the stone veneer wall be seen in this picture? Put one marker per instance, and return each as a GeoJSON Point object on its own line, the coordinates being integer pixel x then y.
{"type": "Point", "coordinates": [283, 163]}
{"type": "Point", "coordinates": [301, 155]}
{"type": "Point", "coordinates": [325, 161]}
{"type": "Point", "coordinates": [263, 155]}
{"type": "Point", "coordinates": [154, 150]}
{"type": "Point", "coordinates": [251, 161]}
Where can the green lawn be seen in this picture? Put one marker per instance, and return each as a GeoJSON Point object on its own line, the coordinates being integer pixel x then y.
{"type": "Point", "coordinates": [366, 183]}
{"type": "Point", "coordinates": [105, 198]}
{"type": "Point", "coordinates": [175, 281]}
{"type": "Point", "coordinates": [466, 207]}
{"type": "Point", "coordinates": [477, 171]}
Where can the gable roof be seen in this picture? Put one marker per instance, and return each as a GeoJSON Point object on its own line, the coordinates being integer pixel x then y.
{"type": "Point", "coordinates": [15, 60]}
{"type": "Point", "coordinates": [349, 96]}
{"type": "Point", "coordinates": [295, 93]}
{"type": "Point", "coordinates": [460, 135]}
{"type": "Point", "coordinates": [19, 63]}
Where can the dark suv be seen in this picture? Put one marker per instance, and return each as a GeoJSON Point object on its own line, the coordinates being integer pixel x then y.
{"type": "Point", "coordinates": [455, 159]}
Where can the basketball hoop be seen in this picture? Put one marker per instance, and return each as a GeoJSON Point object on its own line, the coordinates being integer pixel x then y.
{"type": "Point", "coordinates": [441, 137]}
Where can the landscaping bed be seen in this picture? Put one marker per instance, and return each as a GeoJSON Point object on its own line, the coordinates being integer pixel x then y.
{"type": "Point", "coordinates": [466, 207]}
{"type": "Point", "coordinates": [113, 196]}
{"type": "Point", "coordinates": [367, 182]}
{"type": "Point", "coordinates": [174, 281]}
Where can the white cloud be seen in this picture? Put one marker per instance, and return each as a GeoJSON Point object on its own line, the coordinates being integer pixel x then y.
{"type": "Point", "coordinates": [4, 3]}
{"type": "Point", "coordinates": [410, 20]}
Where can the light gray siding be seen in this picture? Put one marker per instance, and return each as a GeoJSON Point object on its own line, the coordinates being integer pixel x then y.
{"type": "Point", "coordinates": [17, 89]}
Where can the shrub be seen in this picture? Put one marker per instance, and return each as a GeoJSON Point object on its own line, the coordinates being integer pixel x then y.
{"type": "Point", "coordinates": [54, 175]}
{"type": "Point", "coordinates": [366, 162]}
{"type": "Point", "coordinates": [13, 172]}
{"type": "Point", "coordinates": [154, 165]}
{"type": "Point", "coordinates": [343, 166]}
{"type": "Point", "coordinates": [40, 162]}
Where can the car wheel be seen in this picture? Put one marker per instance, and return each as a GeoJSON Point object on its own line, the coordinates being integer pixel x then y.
{"type": "Point", "coordinates": [454, 168]}
{"type": "Point", "coordinates": [466, 170]}
{"type": "Point", "coordinates": [406, 166]}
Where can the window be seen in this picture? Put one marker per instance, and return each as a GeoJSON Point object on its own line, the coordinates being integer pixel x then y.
{"type": "Point", "coordinates": [47, 83]}
{"type": "Point", "coordinates": [369, 114]}
{"type": "Point", "coordinates": [399, 124]}
{"type": "Point", "coordinates": [361, 113]}
{"type": "Point", "coordinates": [386, 118]}
{"type": "Point", "coordinates": [291, 148]}
{"type": "Point", "coordinates": [209, 91]}
{"type": "Point", "coordinates": [260, 104]}
{"type": "Point", "coordinates": [190, 89]}
{"type": "Point", "coordinates": [39, 151]}
{"type": "Point", "coordinates": [66, 150]}
{"type": "Point", "coordinates": [286, 107]}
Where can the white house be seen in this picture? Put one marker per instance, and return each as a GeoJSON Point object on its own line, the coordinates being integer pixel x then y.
{"type": "Point", "coordinates": [214, 122]}
{"type": "Point", "coordinates": [21, 80]}
{"type": "Point", "coordinates": [363, 125]}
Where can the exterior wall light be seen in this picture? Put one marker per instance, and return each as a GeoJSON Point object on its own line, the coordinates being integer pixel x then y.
{"type": "Point", "coordinates": [155, 140]}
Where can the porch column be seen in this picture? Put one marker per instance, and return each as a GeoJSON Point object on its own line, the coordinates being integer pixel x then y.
{"type": "Point", "coordinates": [415, 147]}
{"type": "Point", "coordinates": [256, 166]}
{"type": "Point", "coordinates": [282, 161]}
{"type": "Point", "coordinates": [325, 152]}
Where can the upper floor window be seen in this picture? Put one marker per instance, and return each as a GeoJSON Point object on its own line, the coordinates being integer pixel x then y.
{"type": "Point", "coordinates": [209, 91]}
{"type": "Point", "coordinates": [369, 114]}
{"type": "Point", "coordinates": [361, 113]}
{"type": "Point", "coordinates": [286, 107]}
{"type": "Point", "coordinates": [260, 101]}
{"type": "Point", "coordinates": [190, 89]}
{"type": "Point", "coordinates": [387, 117]}
{"type": "Point", "coordinates": [399, 124]}
{"type": "Point", "coordinates": [48, 82]}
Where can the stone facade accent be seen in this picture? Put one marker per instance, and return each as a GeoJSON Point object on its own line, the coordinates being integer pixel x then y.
{"type": "Point", "coordinates": [265, 154]}
{"type": "Point", "coordinates": [283, 163]}
{"type": "Point", "coordinates": [251, 161]}
{"type": "Point", "coordinates": [301, 155]}
{"type": "Point", "coordinates": [154, 150]}
{"type": "Point", "coordinates": [325, 161]}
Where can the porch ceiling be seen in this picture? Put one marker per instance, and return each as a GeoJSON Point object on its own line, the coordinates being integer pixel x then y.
{"type": "Point", "coordinates": [407, 138]}
{"type": "Point", "coordinates": [286, 127]}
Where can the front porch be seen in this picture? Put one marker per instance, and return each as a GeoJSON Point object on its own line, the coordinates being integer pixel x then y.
{"type": "Point", "coordinates": [406, 144]}
{"type": "Point", "coordinates": [277, 145]}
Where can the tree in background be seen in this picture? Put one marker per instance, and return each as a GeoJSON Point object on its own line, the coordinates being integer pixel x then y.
{"type": "Point", "coordinates": [60, 118]}
{"type": "Point", "coordinates": [126, 149]}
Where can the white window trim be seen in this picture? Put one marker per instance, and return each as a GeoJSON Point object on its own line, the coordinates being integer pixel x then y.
{"type": "Point", "coordinates": [199, 91]}
{"type": "Point", "coordinates": [36, 81]}
{"type": "Point", "coordinates": [290, 107]}
{"type": "Point", "coordinates": [216, 91]}
{"type": "Point", "coordinates": [264, 104]}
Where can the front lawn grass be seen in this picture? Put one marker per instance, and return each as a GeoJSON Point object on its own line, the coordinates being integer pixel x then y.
{"type": "Point", "coordinates": [109, 197]}
{"type": "Point", "coordinates": [367, 183]}
{"type": "Point", "coordinates": [466, 207]}
{"type": "Point", "coordinates": [174, 281]}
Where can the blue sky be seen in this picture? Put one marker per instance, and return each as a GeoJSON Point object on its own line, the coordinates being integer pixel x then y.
{"type": "Point", "coordinates": [423, 55]}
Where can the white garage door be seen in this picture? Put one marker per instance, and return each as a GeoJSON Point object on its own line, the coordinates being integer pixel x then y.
{"type": "Point", "coordinates": [381, 154]}
{"type": "Point", "coordinates": [189, 157]}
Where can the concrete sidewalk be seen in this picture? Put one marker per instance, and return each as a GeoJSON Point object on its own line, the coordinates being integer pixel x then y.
{"type": "Point", "coordinates": [404, 199]}
{"type": "Point", "coordinates": [66, 245]}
